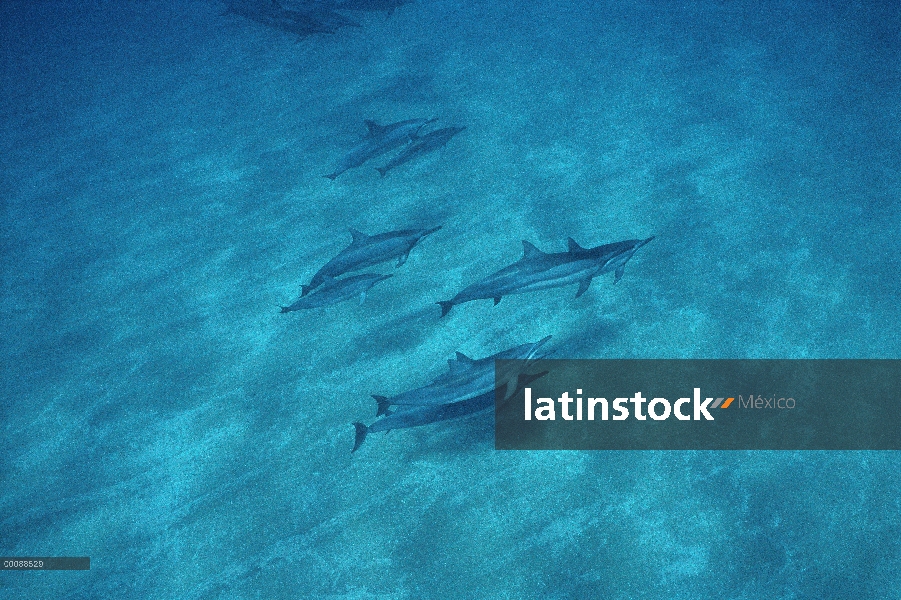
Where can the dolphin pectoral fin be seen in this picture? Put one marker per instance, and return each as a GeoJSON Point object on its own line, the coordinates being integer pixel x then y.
{"type": "Point", "coordinates": [446, 306]}
{"type": "Point", "coordinates": [497, 300]}
{"type": "Point", "coordinates": [525, 379]}
{"type": "Point", "coordinates": [619, 273]}
{"type": "Point", "coordinates": [403, 258]}
{"type": "Point", "coordinates": [506, 390]}
{"type": "Point", "coordinates": [583, 286]}
{"type": "Point", "coordinates": [383, 405]}
{"type": "Point", "coordinates": [360, 436]}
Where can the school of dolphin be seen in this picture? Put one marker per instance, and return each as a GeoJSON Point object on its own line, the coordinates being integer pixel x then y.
{"type": "Point", "coordinates": [307, 17]}
{"type": "Point", "coordinates": [470, 385]}
{"type": "Point", "coordinates": [381, 139]}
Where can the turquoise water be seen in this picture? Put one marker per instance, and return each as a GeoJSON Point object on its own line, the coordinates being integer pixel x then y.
{"type": "Point", "coordinates": [161, 176]}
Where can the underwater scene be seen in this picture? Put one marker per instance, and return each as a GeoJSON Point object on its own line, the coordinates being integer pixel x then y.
{"type": "Point", "coordinates": [258, 259]}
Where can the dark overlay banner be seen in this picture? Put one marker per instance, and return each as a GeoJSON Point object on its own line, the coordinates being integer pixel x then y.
{"type": "Point", "coordinates": [803, 404]}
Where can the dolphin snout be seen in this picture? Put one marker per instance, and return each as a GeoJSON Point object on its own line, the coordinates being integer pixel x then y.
{"type": "Point", "coordinates": [534, 351]}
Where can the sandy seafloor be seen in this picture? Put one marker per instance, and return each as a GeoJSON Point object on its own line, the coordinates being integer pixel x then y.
{"type": "Point", "coordinates": [162, 195]}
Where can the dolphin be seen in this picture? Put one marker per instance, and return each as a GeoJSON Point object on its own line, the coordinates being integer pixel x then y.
{"type": "Point", "coordinates": [465, 378]}
{"type": "Point", "coordinates": [335, 19]}
{"type": "Point", "coordinates": [325, 15]}
{"type": "Point", "coordinates": [368, 250]}
{"type": "Point", "coordinates": [537, 270]}
{"type": "Point", "coordinates": [424, 415]}
{"type": "Point", "coordinates": [334, 291]}
{"type": "Point", "coordinates": [272, 14]}
{"type": "Point", "coordinates": [379, 140]}
{"type": "Point", "coordinates": [421, 145]}
{"type": "Point", "coordinates": [372, 5]}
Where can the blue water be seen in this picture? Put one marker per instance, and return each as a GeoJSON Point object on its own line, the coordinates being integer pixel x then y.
{"type": "Point", "coordinates": [162, 194]}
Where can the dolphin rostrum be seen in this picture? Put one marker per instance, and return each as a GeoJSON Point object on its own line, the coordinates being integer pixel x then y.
{"type": "Point", "coordinates": [379, 140]}
{"type": "Point", "coordinates": [537, 270]}
{"type": "Point", "coordinates": [368, 250]}
{"type": "Point", "coordinates": [421, 145]}
{"type": "Point", "coordinates": [424, 415]}
{"type": "Point", "coordinates": [334, 291]}
{"type": "Point", "coordinates": [466, 377]}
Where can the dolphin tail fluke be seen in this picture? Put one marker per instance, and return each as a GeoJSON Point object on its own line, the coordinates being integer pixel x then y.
{"type": "Point", "coordinates": [382, 170]}
{"type": "Point", "coordinates": [446, 306]}
{"type": "Point", "coordinates": [383, 405]}
{"type": "Point", "coordinates": [360, 437]}
{"type": "Point", "coordinates": [285, 309]}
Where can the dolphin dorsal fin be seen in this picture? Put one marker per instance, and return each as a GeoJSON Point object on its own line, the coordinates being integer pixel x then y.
{"type": "Point", "coordinates": [358, 236]}
{"type": "Point", "coordinates": [574, 246]}
{"type": "Point", "coordinates": [373, 127]}
{"type": "Point", "coordinates": [459, 364]}
{"type": "Point", "coordinates": [530, 251]}
{"type": "Point", "coordinates": [463, 358]}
